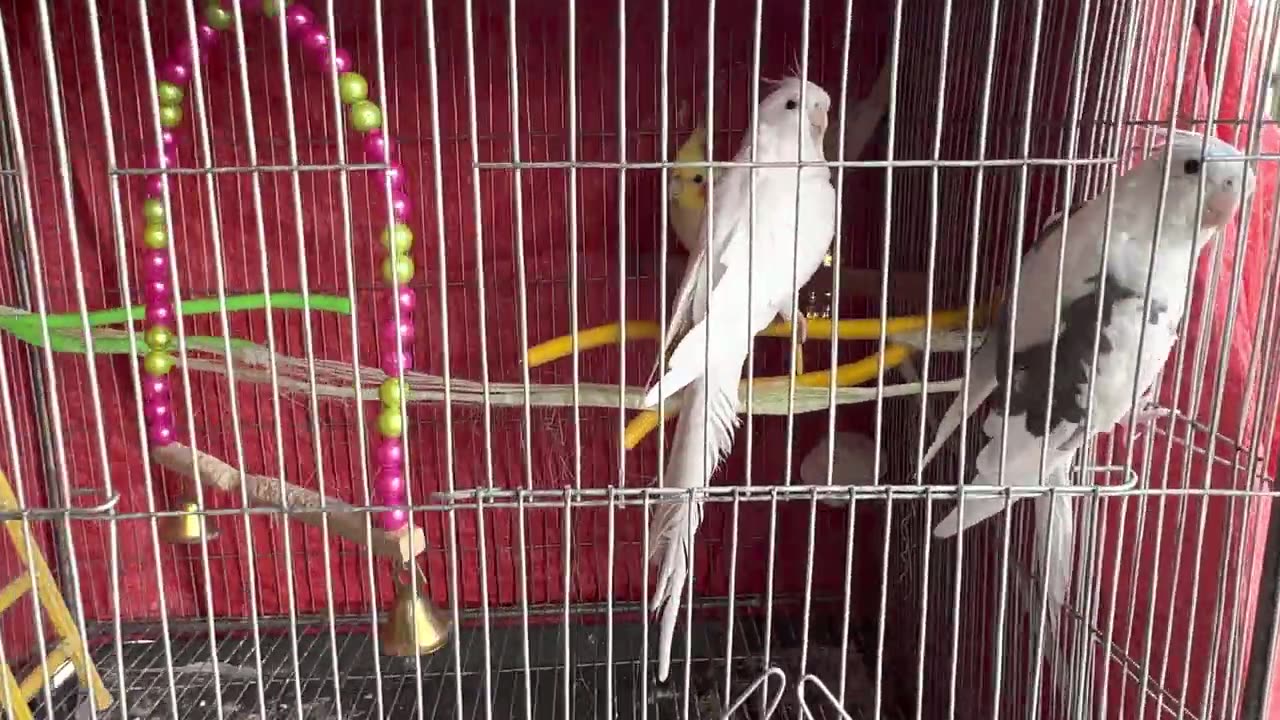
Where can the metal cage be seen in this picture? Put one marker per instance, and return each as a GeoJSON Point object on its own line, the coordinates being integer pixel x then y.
{"type": "Point", "coordinates": [537, 137]}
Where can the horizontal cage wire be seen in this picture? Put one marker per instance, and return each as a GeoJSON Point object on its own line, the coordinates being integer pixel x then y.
{"type": "Point", "coordinates": [402, 275]}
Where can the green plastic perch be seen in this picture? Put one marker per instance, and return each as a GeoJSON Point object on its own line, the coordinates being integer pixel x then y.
{"type": "Point", "coordinates": [65, 333]}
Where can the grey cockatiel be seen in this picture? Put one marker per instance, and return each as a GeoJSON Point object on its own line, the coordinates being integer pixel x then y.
{"type": "Point", "coordinates": [1120, 290]}
{"type": "Point", "coordinates": [707, 362]}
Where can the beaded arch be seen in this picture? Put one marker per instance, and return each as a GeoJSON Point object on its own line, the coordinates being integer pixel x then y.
{"type": "Point", "coordinates": [397, 268]}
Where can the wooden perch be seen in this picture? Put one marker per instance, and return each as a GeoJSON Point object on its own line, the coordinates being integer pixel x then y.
{"type": "Point", "coordinates": [304, 505]}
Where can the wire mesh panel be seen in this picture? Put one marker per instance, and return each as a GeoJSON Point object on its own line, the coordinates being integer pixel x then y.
{"type": "Point", "coordinates": [400, 273]}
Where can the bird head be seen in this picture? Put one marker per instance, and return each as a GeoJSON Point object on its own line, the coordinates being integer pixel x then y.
{"type": "Point", "coordinates": [1228, 179]}
{"type": "Point", "coordinates": [688, 186]}
{"type": "Point", "coordinates": [781, 110]}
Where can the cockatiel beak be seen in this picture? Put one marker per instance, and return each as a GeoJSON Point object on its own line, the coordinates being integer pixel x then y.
{"type": "Point", "coordinates": [1220, 205]}
{"type": "Point", "coordinates": [818, 121]}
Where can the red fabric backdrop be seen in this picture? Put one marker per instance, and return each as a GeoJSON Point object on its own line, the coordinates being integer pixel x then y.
{"type": "Point", "coordinates": [616, 214]}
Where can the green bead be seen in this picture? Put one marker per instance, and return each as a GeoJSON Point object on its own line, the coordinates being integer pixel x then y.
{"type": "Point", "coordinates": [365, 116]}
{"type": "Point", "coordinates": [170, 116]}
{"type": "Point", "coordinates": [157, 363]}
{"type": "Point", "coordinates": [401, 265]}
{"type": "Point", "coordinates": [218, 17]}
{"type": "Point", "coordinates": [400, 236]}
{"type": "Point", "coordinates": [155, 237]}
{"type": "Point", "coordinates": [168, 93]}
{"type": "Point", "coordinates": [390, 423]}
{"type": "Point", "coordinates": [352, 87]}
{"type": "Point", "coordinates": [271, 8]}
{"type": "Point", "coordinates": [159, 337]}
{"type": "Point", "coordinates": [390, 393]}
{"type": "Point", "coordinates": [153, 211]}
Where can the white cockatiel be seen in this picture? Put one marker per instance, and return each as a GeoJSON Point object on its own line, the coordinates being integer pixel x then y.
{"type": "Point", "coordinates": [1120, 290]}
{"type": "Point", "coordinates": [794, 222]}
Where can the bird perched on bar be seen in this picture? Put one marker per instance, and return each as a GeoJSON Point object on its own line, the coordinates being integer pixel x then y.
{"type": "Point", "coordinates": [1135, 326]}
{"type": "Point", "coordinates": [794, 222]}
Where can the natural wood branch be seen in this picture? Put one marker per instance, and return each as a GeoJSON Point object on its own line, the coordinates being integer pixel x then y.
{"type": "Point", "coordinates": [304, 505]}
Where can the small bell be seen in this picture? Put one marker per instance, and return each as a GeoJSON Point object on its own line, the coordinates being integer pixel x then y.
{"type": "Point", "coordinates": [820, 285]}
{"type": "Point", "coordinates": [416, 626]}
{"type": "Point", "coordinates": [184, 529]}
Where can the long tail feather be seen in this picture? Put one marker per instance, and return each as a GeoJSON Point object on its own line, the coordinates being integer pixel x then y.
{"type": "Point", "coordinates": [704, 435]}
{"type": "Point", "coordinates": [1054, 553]}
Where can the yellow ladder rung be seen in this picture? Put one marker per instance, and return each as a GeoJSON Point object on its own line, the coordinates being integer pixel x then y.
{"type": "Point", "coordinates": [12, 592]}
{"type": "Point", "coordinates": [32, 683]}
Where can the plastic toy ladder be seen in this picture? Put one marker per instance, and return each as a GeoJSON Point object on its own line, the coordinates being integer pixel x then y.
{"type": "Point", "coordinates": [70, 646]}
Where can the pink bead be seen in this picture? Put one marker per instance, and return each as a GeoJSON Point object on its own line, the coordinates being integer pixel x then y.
{"type": "Point", "coordinates": [402, 332]}
{"type": "Point", "coordinates": [155, 389]}
{"type": "Point", "coordinates": [390, 453]}
{"type": "Point", "coordinates": [401, 205]}
{"type": "Point", "coordinates": [394, 520]}
{"type": "Point", "coordinates": [377, 147]}
{"type": "Point", "coordinates": [157, 292]}
{"type": "Point", "coordinates": [390, 484]}
{"type": "Point", "coordinates": [397, 174]}
{"type": "Point", "coordinates": [176, 72]}
{"type": "Point", "coordinates": [394, 362]}
{"type": "Point", "coordinates": [206, 36]}
{"type": "Point", "coordinates": [160, 315]}
{"type": "Point", "coordinates": [156, 185]}
{"type": "Point", "coordinates": [155, 265]}
{"type": "Point", "coordinates": [159, 413]}
{"type": "Point", "coordinates": [341, 60]}
{"type": "Point", "coordinates": [315, 43]}
{"type": "Point", "coordinates": [297, 20]}
{"type": "Point", "coordinates": [161, 160]}
{"type": "Point", "coordinates": [169, 140]}
{"type": "Point", "coordinates": [406, 298]}
{"type": "Point", "coordinates": [161, 433]}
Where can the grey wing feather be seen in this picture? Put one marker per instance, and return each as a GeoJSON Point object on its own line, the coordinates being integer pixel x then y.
{"type": "Point", "coordinates": [982, 381]}
{"type": "Point", "coordinates": [1035, 319]}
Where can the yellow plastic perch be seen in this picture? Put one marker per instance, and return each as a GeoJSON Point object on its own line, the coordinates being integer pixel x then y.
{"type": "Point", "coordinates": [819, 329]}
{"type": "Point", "coordinates": [16, 696]}
{"type": "Point", "coordinates": [849, 374]}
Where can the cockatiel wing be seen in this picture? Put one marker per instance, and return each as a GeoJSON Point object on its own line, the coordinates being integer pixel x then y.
{"type": "Point", "coordinates": [1034, 319]}
{"type": "Point", "coordinates": [691, 298]}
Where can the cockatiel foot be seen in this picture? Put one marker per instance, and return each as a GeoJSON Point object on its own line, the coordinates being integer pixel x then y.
{"type": "Point", "coordinates": [1149, 413]}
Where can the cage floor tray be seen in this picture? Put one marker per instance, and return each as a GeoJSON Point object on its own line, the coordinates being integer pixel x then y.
{"type": "Point", "coordinates": [362, 676]}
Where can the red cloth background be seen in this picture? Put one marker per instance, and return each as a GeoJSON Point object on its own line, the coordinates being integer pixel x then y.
{"type": "Point", "coordinates": [617, 216]}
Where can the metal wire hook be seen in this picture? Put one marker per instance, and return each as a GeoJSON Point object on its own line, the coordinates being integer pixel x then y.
{"type": "Point", "coordinates": [772, 707]}
{"type": "Point", "coordinates": [92, 511]}
{"type": "Point", "coordinates": [804, 708]}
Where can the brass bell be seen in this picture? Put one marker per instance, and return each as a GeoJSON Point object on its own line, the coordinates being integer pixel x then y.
{"type": "Point", "coordinates": [416, 626]}
{"type": "Point", "coordinates": [184, 529]}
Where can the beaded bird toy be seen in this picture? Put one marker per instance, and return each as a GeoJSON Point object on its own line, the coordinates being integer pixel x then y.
{"type": "Point", "coordinates": [365, 118]}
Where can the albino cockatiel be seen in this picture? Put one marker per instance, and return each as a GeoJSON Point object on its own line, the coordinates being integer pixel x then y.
{"type": "Point", "coordinates": [705, 373]}
{"type": "Point", "coordinates": [687, 191]}
{"type": "Point", "coordinates": [1121, 290]}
